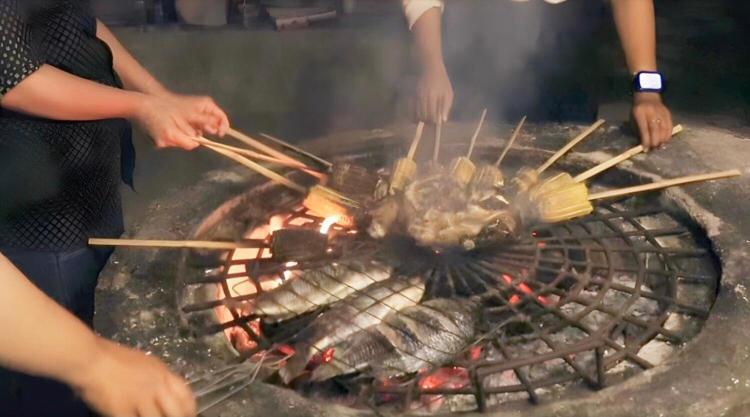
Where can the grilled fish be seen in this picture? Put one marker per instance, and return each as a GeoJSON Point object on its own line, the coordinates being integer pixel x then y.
{"type": "Point", "coordinates": [316, 288]}
{"type": "Point", "coordinates": [357, 312]}
{"type": "Point", "coordinates": [426, 335]}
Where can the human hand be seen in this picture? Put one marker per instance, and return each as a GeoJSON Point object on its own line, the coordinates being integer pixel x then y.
{"type": "Point", "coordinates": [652, 119]}
{"type": "Point", "coordinates": [434, 96]}
{"type": "Point", "coordinates": [173, 120]}
{"type": "Point", "coordinates": [123, 382]}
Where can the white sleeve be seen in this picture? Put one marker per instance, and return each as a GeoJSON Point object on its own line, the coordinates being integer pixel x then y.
{"type": "Point", "coordinates": [414, 9]}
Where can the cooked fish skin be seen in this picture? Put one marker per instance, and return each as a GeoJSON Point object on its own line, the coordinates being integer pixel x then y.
{"type": "Point", "coordinates": [316, 288]}
{"type": "Point", "coordinates": [425, 335]}
{"type": "Point", "coordinates": [357, 312]}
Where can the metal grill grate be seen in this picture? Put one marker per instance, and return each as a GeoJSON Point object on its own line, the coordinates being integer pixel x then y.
{"type": "Point", "coordinates": [606, 295]}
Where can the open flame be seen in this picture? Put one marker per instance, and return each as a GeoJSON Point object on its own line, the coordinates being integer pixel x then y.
{"type": "Point", "coordinates": [329, 221]}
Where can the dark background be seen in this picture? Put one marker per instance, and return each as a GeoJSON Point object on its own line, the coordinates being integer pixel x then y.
{"type": "Point", "coordinates": [357, 73]}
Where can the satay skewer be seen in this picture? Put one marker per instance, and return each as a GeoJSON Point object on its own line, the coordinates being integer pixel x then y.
{"type": "Point", "coordinates": [617, 159]}
{"type": "Point", "coordinates": [561, 198]}
{"type": "Point", "coordinates": [462, 169]}
{"type": "Point", "coordinates": [405, 169]}
{"type": "Point", "coordinates": [510, 143]}
{"type": "Point", "coordinates": [528, 177]}
{"type": "Point", "coordinates": [489, 176]}
{"type": "Point", "coordinates": [573, 142]}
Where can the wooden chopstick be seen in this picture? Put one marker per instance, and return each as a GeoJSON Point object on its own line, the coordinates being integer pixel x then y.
{"type": "Point", "coordinates": [260, 156]}
{"type": "Point", "coordinates": [261, 146]}
{"type": "Point", "coordinates": [617, 159]}
{"type": "Point", "coordinates": [260, 169]}
{"type": "Point", "coordinates": [664, 184]}
{"type": "Point", "coordinates": [570, 145]}
{"type": "Point", "coordinates": [297, 149]}
{"type": "Point", "coordinates": [511, 141]}
{"type": "Point", "coordinates": [190, 244]}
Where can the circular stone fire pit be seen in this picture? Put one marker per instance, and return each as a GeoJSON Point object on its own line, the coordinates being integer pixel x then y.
{"type": "Point", "coordinates": [582, 306]}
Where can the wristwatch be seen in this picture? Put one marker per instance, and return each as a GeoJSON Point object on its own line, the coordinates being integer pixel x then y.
{"type": "Point", "coordinates": [648, 82]}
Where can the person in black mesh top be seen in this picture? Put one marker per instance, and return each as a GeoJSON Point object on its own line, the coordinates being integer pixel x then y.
{"type": "Point", "coordinates": [68, 90]}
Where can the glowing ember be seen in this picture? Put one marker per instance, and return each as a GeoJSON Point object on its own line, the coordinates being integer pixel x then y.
{"type": "Point", "coordinates": [444, 378]}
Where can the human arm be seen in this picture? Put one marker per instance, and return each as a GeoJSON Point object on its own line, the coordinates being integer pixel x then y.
{"type": "Point", "coordinates": [137, 78]}
{"type": "Point", "coordinates": [434, 90]}
{"type": "Point", "coordinates": [112, 379]}
{"type": "Point", "coordinates": [636, 25]}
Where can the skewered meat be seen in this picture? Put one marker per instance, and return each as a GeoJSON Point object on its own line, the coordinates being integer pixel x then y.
{"type": "Point", "coordinates": [315, 288]}
{"type": "Point", "coordinates": [426, 335]}
{"type": "Point", "coordinates": [357, 312]}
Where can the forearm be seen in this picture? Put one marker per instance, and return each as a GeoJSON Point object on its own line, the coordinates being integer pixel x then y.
{"type": "Point", "coordinates": [134, 76]}
{"type": "Point", "coordinates": [636, 25]}
{"type": "Point", "coordinates": [43, 339]}
{"type": "Point", "coordinates": [428, 40]}
{"type": "Point", "coordinates": [55, 94]}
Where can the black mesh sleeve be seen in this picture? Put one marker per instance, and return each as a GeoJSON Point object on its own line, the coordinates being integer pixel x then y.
{"type": "Point", "coordinates": [17, 60]}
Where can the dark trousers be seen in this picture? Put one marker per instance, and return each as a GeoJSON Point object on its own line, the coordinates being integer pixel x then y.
{"type": "Point", "coordinates": [70, 279]}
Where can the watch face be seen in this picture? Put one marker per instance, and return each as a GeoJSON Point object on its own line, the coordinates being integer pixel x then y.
{"type": "Point", "coordinates": [650, 81]}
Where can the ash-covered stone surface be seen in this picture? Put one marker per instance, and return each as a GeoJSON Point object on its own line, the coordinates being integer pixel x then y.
{"type": "Point", "coordinates": [136, 298]}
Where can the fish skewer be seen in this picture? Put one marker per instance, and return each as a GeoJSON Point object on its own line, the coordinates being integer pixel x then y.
{"type": "Point", "coordinates": [490, 176]}
{"type": "Point", "coordinates": [461, 168]}
{"type": "Point", "coordinates": [562, 198]}
{"type": "Point", "coordinates": [405, 169]}
{"type": "Point", "coordinates": [357, 312]}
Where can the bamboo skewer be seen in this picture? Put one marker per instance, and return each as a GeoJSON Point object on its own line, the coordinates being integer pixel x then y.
{"type": "Point", "coordinates": [438, 134]}
{"type": "Point", "coordinates": [297, 149]}
{"type": "Point", "coordinates": [664, 184]}
{"type": "Point", "coordinates": [415, 142]}
{"type": "Point", "coordinates": [462, 169]}
{"type": "Point", "coordinates": [180, 244]}
{"type": "Point", "coordinates": [617, 159]}
{"type": "Point", "coordinates": [570, 145]}
{"type": "Point", "coordinates": [260, 169]}
{"type": "Point", "coordinates": [511, 141]}
{"type": "Point", "coordinates": [476, 134]}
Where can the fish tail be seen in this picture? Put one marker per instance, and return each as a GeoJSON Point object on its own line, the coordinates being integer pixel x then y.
{"type": "Point", "coordinates": [295, 365]}
{"type": "Point", "coordinates": [324, 372]}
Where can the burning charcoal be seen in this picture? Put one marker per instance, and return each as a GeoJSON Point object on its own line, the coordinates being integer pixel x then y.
{"type": "Point", "coordinates": [352, 179]}
{"type": "Point", "coordinates": [298, 245]}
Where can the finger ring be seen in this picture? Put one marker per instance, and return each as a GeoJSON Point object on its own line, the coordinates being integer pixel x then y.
{"type": "Point", "coordinates": [657, 121]}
